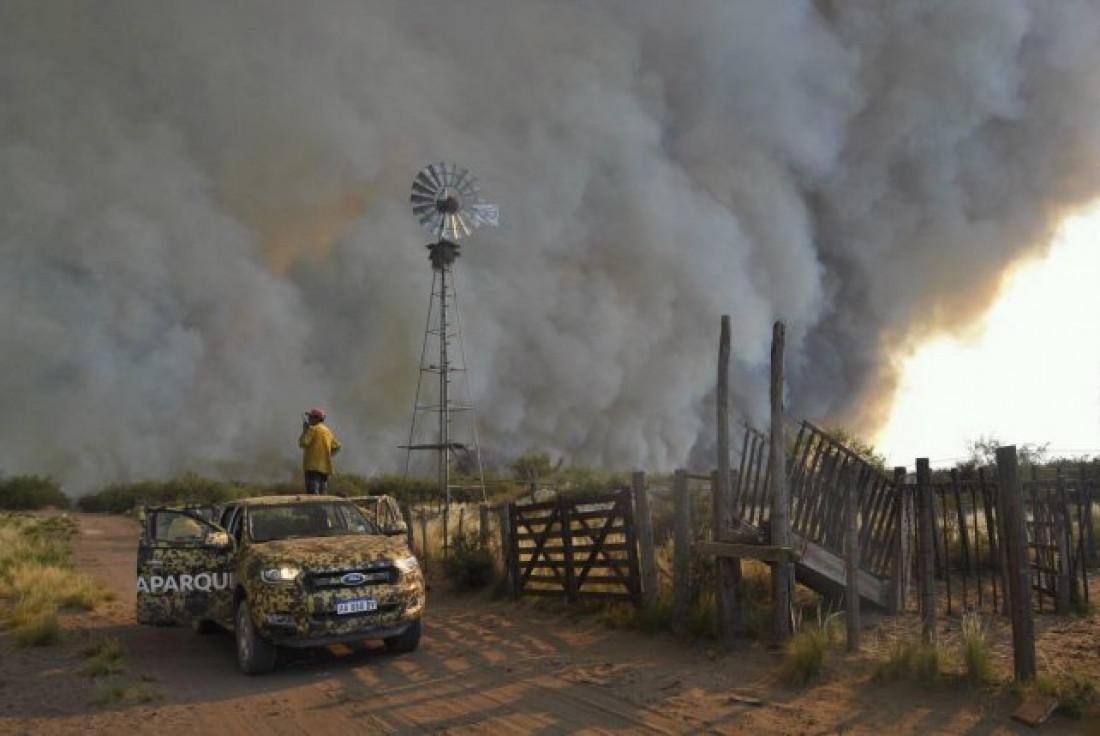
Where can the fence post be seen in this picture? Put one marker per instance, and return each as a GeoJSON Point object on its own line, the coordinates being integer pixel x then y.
{"type": "Point", "coordinates": [1011, 504]}
{"type": "Point", "coordinates": [1064, 529]}
{"type": "Point", "coordinates": [425, 556]}
{"type": "Point", "coordinates": [964, 531]}
{"type": "Point", "coordinates": [1090, 533]}
{"type": "Point", "coordinates": [681, 551]}
{"type": "Point", "coordinates": [645, 539]}
{"type": "Point", "coordinates": [902, 543]}
{"type": "Point", "coordinates": [510, 543]}
{"type": "Point", "coordinates": [566, 521]}
{"type": "Point", "coordinates": [851, 566]}
{"type": "Point", "coordinates": [407, 513]}
{"type": "Point", "coordinates": [926, 523]}
{"type": "Point", "coordinates": [483, 526]}
{"type": "Point", "coordinates": [779, 525]}
{"type": "Point", "coordinates": [730, 618]}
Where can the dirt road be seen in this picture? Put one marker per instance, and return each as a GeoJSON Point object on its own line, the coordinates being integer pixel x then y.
{"type": "Point", "coordinates": [483, 668]}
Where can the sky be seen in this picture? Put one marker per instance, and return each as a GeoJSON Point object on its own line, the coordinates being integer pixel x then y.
{"type": "Point", "coordinates": [205, 224]}
{"type": "Point", "coordinates": [1028, 372]}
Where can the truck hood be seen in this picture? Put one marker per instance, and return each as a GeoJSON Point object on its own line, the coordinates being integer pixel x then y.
{"type": "Point", "coordinates": [320, 553]}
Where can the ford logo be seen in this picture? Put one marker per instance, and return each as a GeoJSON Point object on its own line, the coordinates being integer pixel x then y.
{"type": "Point", "coordinates": [353, 578]}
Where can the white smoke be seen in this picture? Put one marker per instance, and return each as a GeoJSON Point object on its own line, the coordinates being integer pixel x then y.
{"type": "Point", "coordinates": [204, 226]}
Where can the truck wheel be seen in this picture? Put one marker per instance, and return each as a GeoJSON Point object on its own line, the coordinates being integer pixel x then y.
{"type": "Point", "coordinates": [255, 655]}
{"type": "Point", "coordinates": [406, 642]}
{"type": "Point", "coordinates": [204, 626]}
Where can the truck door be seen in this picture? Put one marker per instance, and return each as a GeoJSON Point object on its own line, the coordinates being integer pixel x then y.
{"type": "Point", "coordinates": [184, 569]}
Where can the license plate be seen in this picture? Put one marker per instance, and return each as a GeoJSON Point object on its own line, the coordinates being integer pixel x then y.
{"type": "Point", "coordinates": [359, 605]}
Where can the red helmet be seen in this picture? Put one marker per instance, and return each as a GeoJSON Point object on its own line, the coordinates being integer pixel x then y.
{"type": "Point", "coordinates": [316, 414]}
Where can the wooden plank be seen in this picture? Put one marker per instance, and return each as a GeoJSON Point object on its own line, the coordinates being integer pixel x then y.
{"type": "Point", "coordinates": [1035, 709]}
{"type": "Point", "coordinates": [767, 553]}
{"type": "Point", "coordinates": [739, 493]}
{"type": "Point", "coordinates": [825, 565]}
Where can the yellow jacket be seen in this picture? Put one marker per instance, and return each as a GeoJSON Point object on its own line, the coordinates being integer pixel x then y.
{"type": "Point", "coordinates": [319, 445]}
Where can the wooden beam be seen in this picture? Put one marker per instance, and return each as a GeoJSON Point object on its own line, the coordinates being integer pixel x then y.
{"type": "Point", "coordinates": [926, 522]}
{"type": "Point", "coordinates": [767, 553]}
{"type": "Point", "coordinates": [728, 578]}
{"type": "Point", "coordinates": [1018, 574]}
{"type": "Point", "coordinates": [780, 519]}
{"type": "Point", "coordinates": [644, 525]}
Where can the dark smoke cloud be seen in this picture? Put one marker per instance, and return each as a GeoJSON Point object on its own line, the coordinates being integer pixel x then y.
{"type": "Point", "coordinates": [203, 221]}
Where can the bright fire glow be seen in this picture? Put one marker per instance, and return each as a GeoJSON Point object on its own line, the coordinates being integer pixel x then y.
{"type": "Point", "coordinates": [1032, 375]}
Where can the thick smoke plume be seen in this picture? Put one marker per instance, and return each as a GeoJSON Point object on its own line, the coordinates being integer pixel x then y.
{"type": "Point", "coordinates": [204, 226]}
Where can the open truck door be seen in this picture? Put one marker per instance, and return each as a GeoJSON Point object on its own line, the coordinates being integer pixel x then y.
{"type": "Point", "coordinates": [184, 569]}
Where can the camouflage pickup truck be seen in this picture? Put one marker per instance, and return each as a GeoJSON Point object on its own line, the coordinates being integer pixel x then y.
{"type": "Point", "coordinates": [280, 571]}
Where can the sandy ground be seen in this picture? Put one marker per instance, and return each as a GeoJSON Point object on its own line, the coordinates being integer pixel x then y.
{"type": "Point", "coordinates": [484, 668]}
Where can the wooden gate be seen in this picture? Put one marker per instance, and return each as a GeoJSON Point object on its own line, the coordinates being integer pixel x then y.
{"type": "Point", "coordinates": [575, 549]}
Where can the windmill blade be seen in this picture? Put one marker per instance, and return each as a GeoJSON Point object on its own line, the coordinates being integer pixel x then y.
{"type": "Point", "coordinates": [433, 177]}
{"type": "Point", "coordinates": [446, 199]}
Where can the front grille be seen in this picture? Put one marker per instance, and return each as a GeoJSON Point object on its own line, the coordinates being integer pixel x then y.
{"type": "Point", "coordinates": [371, 576]}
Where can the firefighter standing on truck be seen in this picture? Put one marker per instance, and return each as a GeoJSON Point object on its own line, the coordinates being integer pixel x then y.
{"type": "Point", "coordinates": [318, 445]}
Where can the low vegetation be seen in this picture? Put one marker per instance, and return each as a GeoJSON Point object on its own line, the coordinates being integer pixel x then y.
{"type": "Point", "coordinates": [29, 492]}
{"type": "Point", "coordinates": [1075, 693]}
{"type": "Point", "coordinates": [37, 578]}
{"type": "Point", "coordinates": [105, 657]}
{"type": "Point", "coordinates": [976, 652]}
{"type": "Point", "coordinates": [910, 661]}
{"type": "Point", "coordinates": [470, 566]}
{"type": "Point", "coordinates": [113, 692]}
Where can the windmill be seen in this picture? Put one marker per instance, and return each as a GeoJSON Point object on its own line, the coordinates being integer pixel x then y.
{"type": "Point", "coordinates": [445, 199]}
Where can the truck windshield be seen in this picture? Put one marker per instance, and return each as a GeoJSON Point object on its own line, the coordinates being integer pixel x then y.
{"type": "Point", "coordinates": [299, 520]}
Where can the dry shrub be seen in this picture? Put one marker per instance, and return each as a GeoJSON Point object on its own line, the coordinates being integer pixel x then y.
{"type": "Point", "coordinates": [33, 624]}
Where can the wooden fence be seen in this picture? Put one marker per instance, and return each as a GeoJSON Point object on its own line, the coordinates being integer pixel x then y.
{"type": "Point", "coordinates": [969, 550]}
{"type": "Point", "coordinates": [575, 549]}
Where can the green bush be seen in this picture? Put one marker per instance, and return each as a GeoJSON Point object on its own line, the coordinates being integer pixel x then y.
{"type": "Point", "coordinates": [470, 566]}
{"type": "Point", "coordinates": [25, 492]}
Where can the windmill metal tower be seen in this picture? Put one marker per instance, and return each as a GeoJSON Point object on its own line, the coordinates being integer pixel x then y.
{"type": "Point", "coordinates": [445, 200]}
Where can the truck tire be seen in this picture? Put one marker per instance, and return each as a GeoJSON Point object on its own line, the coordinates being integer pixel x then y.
{"type": "Point", "coordinates": [406, 642]}
{"type": "Point", "coordinates": [255, 655]}
{"type": "Point", "coordinates": [204, 626]}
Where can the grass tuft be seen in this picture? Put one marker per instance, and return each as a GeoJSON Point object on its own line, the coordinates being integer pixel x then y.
{"type": "Point", "coordinates": [105, 657]}
{"type": "Point", "coordinates": [805, 654]}
{"type": "Point", "coordinates": [911, 662]}
{"type": "Point", "coordinates": [976, 650]}
{"type": "Point", "coordinates": [33, 623]}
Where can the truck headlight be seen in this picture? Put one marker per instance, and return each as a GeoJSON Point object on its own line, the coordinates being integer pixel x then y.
{"type": "Point", "coordinates": [280, 574]}
{"type": "Point", "coordinates": [407, 564]}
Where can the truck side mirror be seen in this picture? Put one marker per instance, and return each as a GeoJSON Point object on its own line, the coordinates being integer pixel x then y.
{"type": "Point", "coordinates": [397, 528]}
{"type": "Point", "coordinates": [218, 540]}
